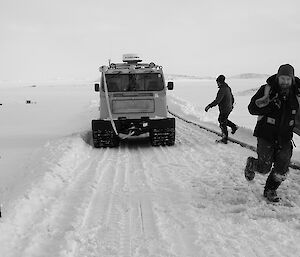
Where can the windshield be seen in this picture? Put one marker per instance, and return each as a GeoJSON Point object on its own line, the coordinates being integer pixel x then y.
{"type": "Point", "coordinates": [133, 82]}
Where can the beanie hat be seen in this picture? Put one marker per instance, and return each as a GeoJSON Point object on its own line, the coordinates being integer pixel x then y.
{"type": "Point", "coordinates": [287, 70]}
{"type": "Point", "coordinates": [221, 78]}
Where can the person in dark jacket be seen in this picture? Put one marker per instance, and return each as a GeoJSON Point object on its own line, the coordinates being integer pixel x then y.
{"type": "Point", "coordinates": [276, 105]}
{"type": "Point", "coordinates": [225, 102]}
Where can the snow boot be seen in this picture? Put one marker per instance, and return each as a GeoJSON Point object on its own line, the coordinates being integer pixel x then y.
{"type": "Point", "coordinates": [222, 140]}
{"type": "Point", "coordinates": [249, 169]}
{"type": "Point", "coordinates": [270, 188]}
{"type": "Point", "coordinates": [234, 129]}
{"type": "Point", "coordinates": [271, 195]}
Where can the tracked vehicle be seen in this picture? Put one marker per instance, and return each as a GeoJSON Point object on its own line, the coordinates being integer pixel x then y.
{"type": "Point", "coordinates": [132, 102]}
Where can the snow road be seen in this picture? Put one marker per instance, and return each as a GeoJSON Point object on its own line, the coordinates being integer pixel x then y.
{"type": "Point", "coordinates": [188, 200]}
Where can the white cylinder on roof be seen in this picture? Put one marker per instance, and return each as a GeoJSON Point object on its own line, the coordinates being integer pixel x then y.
{"type": "Point", "coordinates": [130, 58]}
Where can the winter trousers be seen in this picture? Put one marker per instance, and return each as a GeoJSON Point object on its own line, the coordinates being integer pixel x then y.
{"type": "Point", "coordinates": [271, 154]}
{"type": "Point", "coordinates": [224, 123]}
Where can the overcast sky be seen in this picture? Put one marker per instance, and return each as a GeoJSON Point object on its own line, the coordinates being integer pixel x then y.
{"type": "Point", "coordinates": [49, 39]}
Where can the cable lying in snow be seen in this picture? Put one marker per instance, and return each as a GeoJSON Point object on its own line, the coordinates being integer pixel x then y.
{"type": "Point", "coordinates": [245, 145]}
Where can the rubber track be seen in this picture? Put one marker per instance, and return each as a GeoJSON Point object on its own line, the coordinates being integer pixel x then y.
{"type": "Point", "coordinates": [292, 165]}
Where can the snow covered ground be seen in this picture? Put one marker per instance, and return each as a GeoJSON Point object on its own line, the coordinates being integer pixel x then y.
{"type": "Point", "coordinates": [62, 197]}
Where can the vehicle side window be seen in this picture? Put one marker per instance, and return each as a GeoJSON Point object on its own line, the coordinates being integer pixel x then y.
{"type": "Point", "coordinates": [154, 82]}
{"type": "Point", "coordinates": [152, 85]}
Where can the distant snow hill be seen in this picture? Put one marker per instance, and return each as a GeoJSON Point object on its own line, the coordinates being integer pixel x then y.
{"type": "Point", "coordinates": [250, 76]}
{"type": "Point", "coordinates": [251, 91]}
{"type": "Point", "coordinates": [177, 76]}
{"type": "Point", "coordinates": [239, 76]}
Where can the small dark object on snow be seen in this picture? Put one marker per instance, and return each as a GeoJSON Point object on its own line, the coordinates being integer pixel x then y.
{"type": "Point", "coordinates": [271, 195]}
{"type": "Point", "coordinates": [222, 140]}
{"type": "Point", "coordinates": [249, 173]}
{"type": "Point", "coordinates": [28, 101]}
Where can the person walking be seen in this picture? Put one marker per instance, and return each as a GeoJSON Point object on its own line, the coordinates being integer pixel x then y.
{"type": "Point", "coordinates": [224, 100]}
{"type": "Point", "coordinates": [277, 107]}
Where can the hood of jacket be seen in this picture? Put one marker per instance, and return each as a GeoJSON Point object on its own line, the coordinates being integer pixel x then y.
{"type": "Point", "coordinates": [272, 81]}
{"type": "Point", "coordinates": [223, 84]}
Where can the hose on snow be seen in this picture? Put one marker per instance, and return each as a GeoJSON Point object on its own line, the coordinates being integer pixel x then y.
{"type": "Point", "coordinates": [293, 165]}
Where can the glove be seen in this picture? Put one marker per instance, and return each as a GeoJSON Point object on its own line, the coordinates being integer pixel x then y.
{"type": "Point", "coordinates": [262, 102]}
{"type": "Point", "coordinates": [207, 108]}
{"type": "Point", "coordinates": [265, 100]}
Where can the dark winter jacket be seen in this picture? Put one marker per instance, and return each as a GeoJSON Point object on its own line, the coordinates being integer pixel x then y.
{"type": "Point", "coordinates": [276, 120]}
{"type": "Point", "coordinates": [224, 99]}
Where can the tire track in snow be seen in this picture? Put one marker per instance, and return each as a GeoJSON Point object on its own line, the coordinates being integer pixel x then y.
{"type": "Point", "coordinates": [98, 212]}
{"type": "Point", "coordinates": [62, 217]}
{"type": "Point", "coordinates": [31, 211]}
{"type": "Point", "coordinates": [125, 220]}
{"type": "Point", "coordinates": [190, 199]}
{"type": "Point", "coordinates": [221, 192]}
{"type": "Point", "coordinates": [107, 223]}
{"type": "Point", "coordinates": [175, 226]}
{"type": "Point", "coordinates": [142, 202]}
{"type": "Point", "coordinates": [231, 197]}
